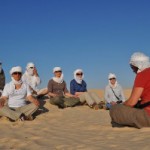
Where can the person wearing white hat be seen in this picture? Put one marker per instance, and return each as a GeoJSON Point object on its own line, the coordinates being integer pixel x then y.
{"type": "Point", "coordinates": [2, 79]}
{"type": "Point", "coordinates": [113, 92]}
{"type": "Point", "coordinates": [32, 78]}
{"type": "Point", "coordinates": [16, 92]}
{"type": "Point", "coordinates": [78, 87]}
{"type": "Point", "coordinates": [135, 111]}
{"type": "Point", "coordinates": [58, 92]}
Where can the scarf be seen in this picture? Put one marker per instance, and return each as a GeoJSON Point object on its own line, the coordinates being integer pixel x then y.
{"type": "Point", "coordinates": [113, 86]}
{"type": "Point", "coordinates": [59, 80]}
{"type": "Point", "coordinates": [16, 82]}
{"type": "Point", "coordinates": [29, 72]}
{"type": "Point", "coordinates": [77, 78]}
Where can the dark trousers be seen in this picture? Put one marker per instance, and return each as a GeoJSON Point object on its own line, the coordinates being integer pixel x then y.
{"type": "Point", "coordinates": [63, 102]}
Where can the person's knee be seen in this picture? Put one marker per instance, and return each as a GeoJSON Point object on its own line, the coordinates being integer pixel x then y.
{"type": "Point", "coordinates": [114, 109]}
{"type": "Point", "coordinates": [56, 100]}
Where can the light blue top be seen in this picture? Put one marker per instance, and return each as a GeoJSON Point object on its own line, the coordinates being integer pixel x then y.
{"type": "Point", "coordinates": [109, 95]}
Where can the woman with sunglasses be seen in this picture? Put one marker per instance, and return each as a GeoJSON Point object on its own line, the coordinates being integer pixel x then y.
{"type": "Point", "coordinates": [78, 87]}
{"type": "Point", "coordinates": [32, 78]}
{"type": "Point", "coordinates": [58, 92]}
{"type": "Point", "coordinates": [113, 92]}
{"type": "Point", "coordinates": [16, 92]}
{"type": "Point", "coordinates": [135, 111]}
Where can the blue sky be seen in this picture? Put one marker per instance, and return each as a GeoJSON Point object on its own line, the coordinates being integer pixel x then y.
{"type": "Point", "coordinates": [98, 36]}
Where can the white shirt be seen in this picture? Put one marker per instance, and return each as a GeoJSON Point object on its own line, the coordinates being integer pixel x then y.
{"type": "Point", "coordinates": [16, 97]}
{"type": "Point", "coordinates": [33, 81]}
{"type": "Point", "coordinates": [109, 95]}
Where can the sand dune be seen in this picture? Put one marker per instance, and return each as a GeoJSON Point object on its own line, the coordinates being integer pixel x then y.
{"type": "Point", "coordinates": [78, 128]}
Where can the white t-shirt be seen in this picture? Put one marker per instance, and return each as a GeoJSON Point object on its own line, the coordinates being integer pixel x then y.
{"type": "Point", "coordinates": [16, 97]}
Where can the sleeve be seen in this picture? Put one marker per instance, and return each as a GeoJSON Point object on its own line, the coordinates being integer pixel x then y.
{"type": "Point", "coordinates": [28, 90]}
{"type": "Point", "coordinates": [50, 86]}
{"type": "Point", "coordinates": [5, 91]}
{"type": "Point", "coordinates": [72, 89]}
{"type": "Point", "coordinates": [106, 95]}
{"type": "Point", "coordinates": [37, 80]}
{"type": "Point", "coordinates": [65, 88]}
{"type": "Point", "coordinates": [85, 86]}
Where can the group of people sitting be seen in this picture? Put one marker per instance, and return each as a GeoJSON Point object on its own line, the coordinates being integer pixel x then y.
{"type": "Point", "coordinates": [23, 87]}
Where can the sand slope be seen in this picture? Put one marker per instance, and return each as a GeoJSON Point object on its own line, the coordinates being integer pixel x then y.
{"type": "Point", "coordinates": [78, 128]}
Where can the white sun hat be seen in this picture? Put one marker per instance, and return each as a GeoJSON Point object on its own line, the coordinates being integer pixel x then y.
{"type": "Point", "coordinates": [15, 69]}
{"type": "Point", "coordinates": [140, 60]}
{"type": "Point", "coordinates": [111, 75]}
{"type": "Point", "coordinates": [57, 69]}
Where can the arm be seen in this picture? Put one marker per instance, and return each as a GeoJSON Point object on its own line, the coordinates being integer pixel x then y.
{"type": "Point", "coordinates": [70, 95]}
{"type": "Point", "coordinates": [36, 77]}
{"type": "Point", "coordinates": [135, 96]}
{"type": "Point", "coordinates": [52, 94]}
{"type": "Point", "coordinates": [106, 95]}
{"type": "Point", "coordinates": [122, 94]}
{"type": "Point", "coordinates": [79, 93]}
{"type": "Point", "coordinates": [72, 89]}
{"type": "Point", "coordinates": [3, 99]}
{"type": "Point", "coordinates": [33, 100]}
{"type": "Point", "coordinates": [50, 89]}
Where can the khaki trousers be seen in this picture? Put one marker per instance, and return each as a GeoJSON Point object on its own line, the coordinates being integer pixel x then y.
{"type": "Point", "coordinates": [14, 113]}
{"type": "Point", "coordinates": [90, 98]}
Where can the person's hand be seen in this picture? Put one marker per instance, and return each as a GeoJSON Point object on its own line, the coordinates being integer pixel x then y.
{"type": "Point", "coordinates": [2, 102]}
{"type": "Point", "coordinates": [113, 103]}
{"type": "Point", "coordinates": [74, 96]}
{"type": "Point", "coordinates": [35, 72]}
{"type": "Point", "coordinates": [36, 102]}
{"type": "Point", "coordinates": [54, 95]}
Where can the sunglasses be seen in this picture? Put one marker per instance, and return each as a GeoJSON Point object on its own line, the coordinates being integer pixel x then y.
{"type": "Point", "coordinates": [31, 67]}
{"type": "Point", "coordinates": [58, 71]}
{"type": "Point", "coordinates": [15, 73]}
{"type": "Point", "coordinates": [112, 78]}
{"type": "Point", "coordinates": [79, 74]}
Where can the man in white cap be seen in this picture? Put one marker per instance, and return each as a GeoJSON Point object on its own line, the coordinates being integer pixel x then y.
{"type": "Point", "coordinates": [32, 78]}
{"type": "Point", "coordinates": [113, 92]}
{"type": "Point", "coordinates": [57, 90]}
{"type": "Point", "coordinates": [135, 113]}
{"type": "Point", "coordinates": [2, 79]}
{"type": "Point", "coordinates": [16, 92]}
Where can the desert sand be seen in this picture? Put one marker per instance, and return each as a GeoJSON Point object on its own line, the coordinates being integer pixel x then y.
{"type": "Point", "coordinates": [77, 128]}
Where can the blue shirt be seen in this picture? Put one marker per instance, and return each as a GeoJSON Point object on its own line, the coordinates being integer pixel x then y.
{"type": "Point", "coordinates": [76, 87]}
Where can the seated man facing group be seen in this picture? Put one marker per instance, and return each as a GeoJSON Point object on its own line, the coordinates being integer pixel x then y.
{"type": "Point", "coordinates": [2, 79]}
{"type": "Point", "coordinates": [32, 78]}
{"type": "Point", "coordinates": [58, 92]}
{"type": "Point", "coordinates": [113, 92]}
{"type": "Point", "coordinates": [16, 92]}
{"type": "Point", "coordinates": [78, 87]}
{"type": "Point", "coordinates": [136, 110]}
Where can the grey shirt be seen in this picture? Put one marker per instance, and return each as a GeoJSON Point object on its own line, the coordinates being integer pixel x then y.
{"type": "Point", "coordinates": [57, 88]}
